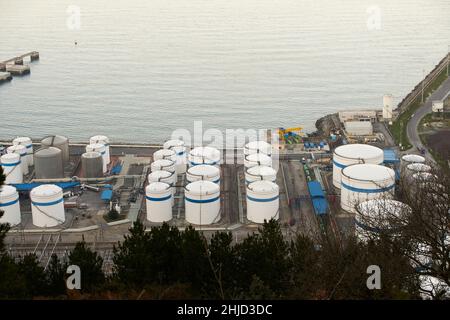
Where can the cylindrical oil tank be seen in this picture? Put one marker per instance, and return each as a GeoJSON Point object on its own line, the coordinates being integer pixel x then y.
{"type": "Point", "coordinates": [257, 159]}
{"type": "Point", "coordinates": [48, 163]}
{"type": "Point", "coordinates": [22, 151]}
{"type": "Point", "coordinates": [413, 168]}
{"type": "Point", "coordinates": [349, 154]}
{"type": "Point", "coordinates": [204, 155]}
{"type": "Point", "coordinates": [165, 154]}
{"type": "Point", "coordinates": [258, 147]}
{"type": "Point", "coordinates": [9, 204]}
{"type": "Point", "coordinates": [410, 158]}
{"type": "Point", "coordinates": [379, 215]}
{"type": "Point", "coordinates": [262, 201]}
{"type": "Point", "coordinates": [363, 182]}
{"type": "Point", "coordinates": [167, 177]}
{"type": "Point", "coordinates": [203, 172]}
{"type": "Point", "coordinates": [202, 202]}
{"type": "Point", "coordinates": [25, 141]}
{"type": "Point", "coordinates": [258, 173]}
{"type": "Point", "coordinates": [163, 164]}
{"type": "Point", "coordinates": [180, 149]}
{"type": "Point", "coordinates": [158, 197]}
{"type": "Point", "coordinates": [47, 206]}
{"type": "Point", "coordinates": [92, 164]}
{"type": "Point", "coordinates": [59, 142]}
{"type": "Point", "coordinates": [100, 148]}
{"type": "Point", "coordinates": [105, 141]}
{"type": "Point", "coordinates": [12, 168]}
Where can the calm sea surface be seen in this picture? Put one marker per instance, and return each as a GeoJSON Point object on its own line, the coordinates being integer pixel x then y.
{"type": "Point", "coordinates": [143, 68]}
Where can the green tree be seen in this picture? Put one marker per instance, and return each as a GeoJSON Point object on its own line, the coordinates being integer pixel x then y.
{"type": "Point", "coordinates": [266, 256]}
{"type": "Point", "coordinates": [56, 276]}
{"type": "Point", "coordinates": [90, 264]}
{"type": "Point", "coordinates": [34, 275]}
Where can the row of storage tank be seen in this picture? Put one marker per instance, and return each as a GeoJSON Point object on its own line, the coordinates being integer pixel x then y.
{"type": "Point", "coordinates": [52, 157]}
{"type": "Point", "coordinates": [367, 186]}
{"type": "Point", "coordinates": [202, 192]}
{"type": "Point", "coordinates": [47, 205]}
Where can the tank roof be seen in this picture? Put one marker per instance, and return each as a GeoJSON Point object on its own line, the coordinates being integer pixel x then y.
{"type": "Point", "coordinates": [54, 139]}
{"type": "Point", "coordinates": [419, 167]}
{"type": "Point", "coordinates": [261, 171]}
{"type": "Point", "coordinates": [91, 154]}
{"type": "Point", "coordinates": [255, 157]}
{"type": "Point", "coordinates": [22, 140]}
{"type": "Point", "coordinates": [204, 169]}
{"type": "Point", "coordinates": [357, 151]}
{"type": "Point", "coordinates": [173, 143]}
{"type": "Point", "coordinates": [17, 147]}
{"type": "Point", "coordinates": [99, 138]}
{"type": "Point", "coordinates": [163, 162]}
{"type": "Point", "coordinates": [202, 187]}
{"type": "Point", "coordinates": [46, 190]}
{"type": "Point", "coordinates": [368, 172]}
{"type": "Point", "coordinates": [157, 187]}
{"type": "Point", "coordinates": [47, 152]}
{"type": "Point", "coordinates": [263, 186]}
{"type": "Point", "coordinates": [383, 207]}
{"type": "Point", "coordinates": [157, 174]}
{"type": "Point", "coordinates": [413, 158]}
{"type": "Point", "coordinates": [10, 156]}
{"type": "Point", "coordinates": [6, 191]}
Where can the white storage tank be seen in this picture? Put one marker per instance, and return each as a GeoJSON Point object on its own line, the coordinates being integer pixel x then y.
{"type": "Point", "coordinates": [202, 202]}
{"type": "Point", "coordinates": [258, 147]}
{"type": "Point", "coordinates": [100, 148]}
{"type": "Point", "coordinates": [11, 168]}
{"type": "Point", "coordinates": [59, 142]}
{"type": "Point", "coordinates": [257, 159]}
{"type": "Point", "coordinates": [25, 141]}
{"type": "Point", "coordinates": [158, 197]}
{"type": "Point", "coordinates": [163, 164]}
{"type": "Point", "coordinates": [203, 172]}
{"type": "Point", "coordinates": [262, 201]}
{"type": "Point", "coordinates": [180, 149]}
{"type": "Point", "coordinates": [258, 173]}
{"type": "Point", "coordinates": [378, 215]}
{"type": "Point", "coordinates": [411, 158]}
{"type": "Point", "coordinates": [105, 141]}
{"type": "Point", "coordinates": [47, 206]}
{"type": "Point", "coordinates": [22, 151]}
{"type": "Point", "coordinates": [9, 204]}
{"type": "Point", "coordinates": [48, 163]}
{"type": "Point", "coordinates": [413, 168]}
{"type": "Point", "coordinates": [349, 154]}
{"type": "Point", "coordinates": [204, 155]}
{"type": "Point", "coordinates": [165, 154]}
{"type": "Point", "coordinates": [363, 182]}
{"type": "Point", "coordinates": [164, 176]}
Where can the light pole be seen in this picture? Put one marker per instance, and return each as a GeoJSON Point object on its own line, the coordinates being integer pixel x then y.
{"type": "Point", "coordinates": [423, 83]}
{"type": "Point", "coordinates": [448, 58]}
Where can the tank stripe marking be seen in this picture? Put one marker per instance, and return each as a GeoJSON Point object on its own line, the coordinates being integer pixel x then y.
{"type": "Point", "coordinates": [262, 200]}
{"type": "Point", "coordinates": [360, 190]}
{"type": "Point", "coordinates": [202, 201]}
{"type": "Point", "coordinates": [11, 164]}
{"type": "Point", "coordinates": [46, 204]}
{"type": "Point", "coordinates": [29, 146]}
{"type": "Point", "coordinates": [181, 153]}
{"type": "Point", "coordinates": [248, 181]}
{"type": "Point", "coordinates": [197, 164]}
{"type": "Point", "coordinates": [6, 204]}
{"type": "Point", "coordinates": [158, 199]}
{"type": "Point", "coordinates": [343, 166]}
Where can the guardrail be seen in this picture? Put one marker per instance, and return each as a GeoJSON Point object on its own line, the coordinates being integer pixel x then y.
{"type": "Point", "coordinates": [412, 96]}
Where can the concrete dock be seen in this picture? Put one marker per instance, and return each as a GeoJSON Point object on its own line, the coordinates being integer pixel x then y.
{"type": "Point", "coordinates": [5, 76]}
{"type": "Point", "coordinates": [16, 67]}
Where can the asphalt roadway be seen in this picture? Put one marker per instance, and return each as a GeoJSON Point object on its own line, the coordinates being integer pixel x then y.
{"type": "Point", "coordinates": [412, 128]}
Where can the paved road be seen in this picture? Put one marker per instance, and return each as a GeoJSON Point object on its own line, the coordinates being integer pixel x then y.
{"type": "Point", "coordinates": [413, 124]}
